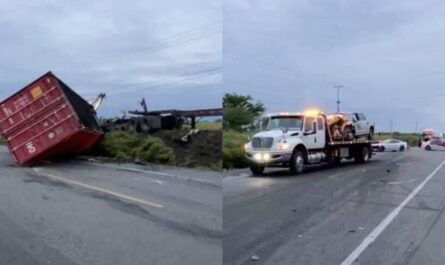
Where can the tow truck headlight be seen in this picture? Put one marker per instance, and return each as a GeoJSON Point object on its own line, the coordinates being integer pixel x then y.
{"type": "Point", "coordinates": [283, 146]}
{"type": "Point", "coordinates": [257, 156]}
{"type": "Point", "coordinates": [262, 157]}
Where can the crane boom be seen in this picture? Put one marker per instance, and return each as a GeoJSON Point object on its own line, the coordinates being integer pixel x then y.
{"type": "Point", "coordinates": [97, 101]}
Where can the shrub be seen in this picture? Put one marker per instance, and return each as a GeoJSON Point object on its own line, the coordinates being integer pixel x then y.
{"type": "Point", "coordinates": [154, 150]}
{"type": "Point", "coordinates": [131, 146]}
{"type": "Point", "coordinates": [233, 149]}
{"type": "Point", "coordinates": [118, 144]}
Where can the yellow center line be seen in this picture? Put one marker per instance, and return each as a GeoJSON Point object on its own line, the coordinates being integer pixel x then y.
{"type": "Point", "coordinates": [101, 190]}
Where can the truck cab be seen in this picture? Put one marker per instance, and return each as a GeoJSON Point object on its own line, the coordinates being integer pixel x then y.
{"type": "Point", "coordinates": [294, 139]}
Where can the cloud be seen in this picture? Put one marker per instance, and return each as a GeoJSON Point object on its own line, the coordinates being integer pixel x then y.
{"type": "Point", "coordinates": [120, 48]}
{"type": "Point", "coordinates": [387, 54]}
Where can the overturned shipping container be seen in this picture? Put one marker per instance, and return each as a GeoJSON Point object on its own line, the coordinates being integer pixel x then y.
{"type": "Point", "coordinates": [47, 119]}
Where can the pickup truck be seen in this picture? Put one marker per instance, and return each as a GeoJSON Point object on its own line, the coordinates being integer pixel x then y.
{"type": "Point", "coordinates": [359, 125]}
{"type": "Point", "coordinates": [296, 139]}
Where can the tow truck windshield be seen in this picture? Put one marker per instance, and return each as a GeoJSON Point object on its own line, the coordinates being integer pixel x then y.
{"type": "Point", "coordinates": [284, 122]}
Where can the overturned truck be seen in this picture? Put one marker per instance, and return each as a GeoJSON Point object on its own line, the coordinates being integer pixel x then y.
{"type": "Point", "coordinates": [150, 121]}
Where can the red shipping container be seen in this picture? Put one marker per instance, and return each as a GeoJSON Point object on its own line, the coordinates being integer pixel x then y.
{"type": "Point", "coordinates": [47, 119]}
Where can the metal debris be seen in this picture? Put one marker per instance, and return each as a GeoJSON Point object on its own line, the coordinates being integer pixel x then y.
{"type": "Point", "coordinates": [254, 258]}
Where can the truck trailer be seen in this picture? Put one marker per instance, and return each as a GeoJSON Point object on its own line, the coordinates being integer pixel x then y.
{"type": "Point", "coordinates": [297, 139]}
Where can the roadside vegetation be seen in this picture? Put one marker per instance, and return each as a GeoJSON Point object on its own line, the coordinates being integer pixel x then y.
{"type": "Point", "coordinates": [131, 146]}
{"type": "Point", "coordinates": [165, 147]}
{"type": "Point", "coordinates": [1, 140]}
{"type": "Point", "coordinates": [239, 113]}
{"type": "Point", "coordinates": [233, 149]}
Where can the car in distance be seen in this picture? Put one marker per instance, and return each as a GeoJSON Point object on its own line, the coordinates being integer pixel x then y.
{"type": "Point", "coordinates": [434, 145]}
{"type": "Point", "coordinates": [359, 125]}
{"type": "Point", "coordinates": [390, 145]}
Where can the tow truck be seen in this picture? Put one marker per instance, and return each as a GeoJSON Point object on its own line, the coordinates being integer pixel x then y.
{"type": "Point", "coordinates": [297, 139]}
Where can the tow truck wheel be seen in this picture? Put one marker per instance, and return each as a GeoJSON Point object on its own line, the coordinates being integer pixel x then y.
{"type": "Point", "coordinates": [362, 156]}
{"type": "Point", "coordinates": [297, 163]}
{"type": "Point", "coordinates": [402, 148]}
{"type": "Point", "coordinates": [257, 170]}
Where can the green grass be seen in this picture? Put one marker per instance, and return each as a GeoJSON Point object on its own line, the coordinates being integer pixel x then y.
{"type": "Point", "coordinates": [134, 147]}
{"type": "Point", "coordinates": [207, 126]}
{"type": "Point", "coordinates": [410, 138]}
{"type": "Point", "coordinates": [162, 147]}
{"type": "Point", "coordinates": [233, 149]}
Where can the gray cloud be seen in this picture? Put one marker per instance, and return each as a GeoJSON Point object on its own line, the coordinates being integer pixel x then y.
{"type": "Point", "coordinates": [167, 51]}
{"type": "Point", "coordinates": [389, 55]}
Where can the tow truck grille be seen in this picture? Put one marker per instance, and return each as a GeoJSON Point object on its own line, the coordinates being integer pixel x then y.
{"type": "Point", "coordinates": [262, 142]}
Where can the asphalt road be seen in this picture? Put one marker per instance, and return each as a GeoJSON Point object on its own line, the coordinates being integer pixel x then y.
{"type": "Point", "coordinates": [389, 211]}
{"type": "Point", "coordinates": [81, 212]}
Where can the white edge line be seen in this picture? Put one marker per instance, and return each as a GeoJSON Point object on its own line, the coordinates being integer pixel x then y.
{"type": "Point", "coordinates": [240, 176]}
{"type": "Point", "coordinates": [369, 239]}
{"type": "Point", "coordinates": [152, 172]}
{"type": "Point", "coordinates": [101, 190]}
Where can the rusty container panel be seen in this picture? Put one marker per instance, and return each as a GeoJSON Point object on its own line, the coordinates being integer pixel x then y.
{"type": "Point", "coordinates": [47, 119]}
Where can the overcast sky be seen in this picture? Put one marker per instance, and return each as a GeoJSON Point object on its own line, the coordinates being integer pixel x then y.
{"type": "Point", "coordinates": [388, 55]}
{"type": "Point", "coordinates": [169, 52]}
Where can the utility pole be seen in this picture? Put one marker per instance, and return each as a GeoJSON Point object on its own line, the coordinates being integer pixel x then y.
{"type": "Point", "coordinates": [338, 96]}
{"type": "Point", "coordinates": [390, 127]}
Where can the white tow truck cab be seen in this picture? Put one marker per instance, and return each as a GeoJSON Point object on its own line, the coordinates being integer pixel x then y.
{"type": "Point", "coordinates": [296, 139]}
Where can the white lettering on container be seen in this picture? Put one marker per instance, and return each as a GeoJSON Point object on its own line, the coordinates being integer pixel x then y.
{"type": "Point", "coordinates": [31, 148]}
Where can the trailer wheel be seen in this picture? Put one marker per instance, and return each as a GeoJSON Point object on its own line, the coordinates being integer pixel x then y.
{"type": "Point", "coordinates": [362, 155]}
{"type": "Point", "coordinates": [297, 163]}
{"type": "Point", "coordinates": [257, 170]}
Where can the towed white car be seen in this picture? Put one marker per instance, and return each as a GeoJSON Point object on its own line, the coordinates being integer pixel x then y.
{"type": "Point", "coordinates": [390, 145]}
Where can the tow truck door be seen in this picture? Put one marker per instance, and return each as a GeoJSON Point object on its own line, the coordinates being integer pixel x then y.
{"type": "Point", "coordinates": [321, 133]}
{"type": "Point", "coordinates": [314, 132]}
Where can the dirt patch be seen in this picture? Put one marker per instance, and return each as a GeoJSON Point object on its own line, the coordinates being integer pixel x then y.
{"type": "Point", "coordinates": [203, 150]}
